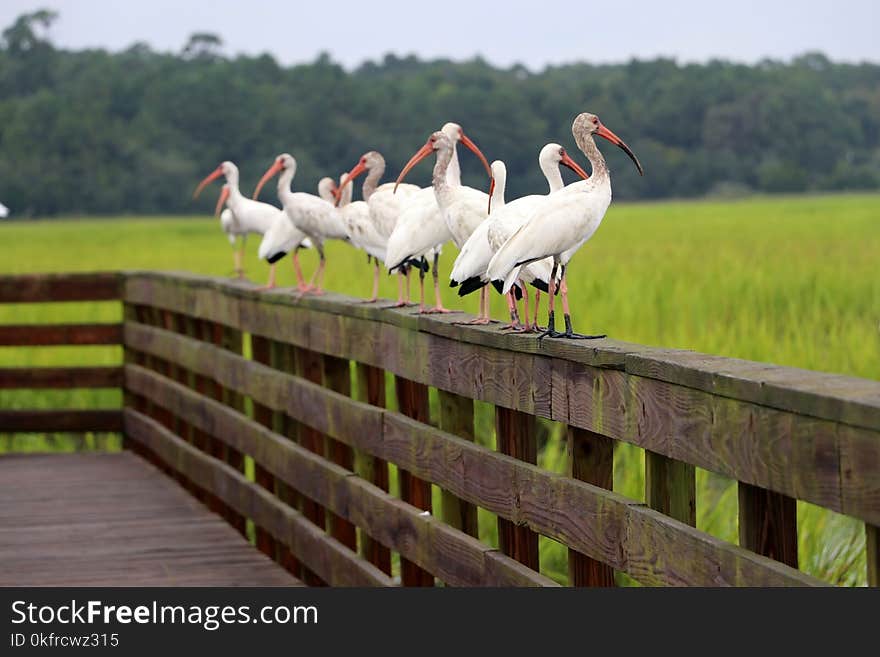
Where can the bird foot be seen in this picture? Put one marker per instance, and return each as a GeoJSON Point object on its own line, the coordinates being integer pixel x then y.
{"type": "Point", "coordinates": [516, 327]}
{"type": "Point", "coordinates": [437, 310]}
{"type": "Point", "coordinates": [570, 335]}
{"type": "Point", "coordinates": [398, 304]}
{"type": "Point", "coordinates": [264, 288]}
{"type": "Point", "coordinates": [373, 300]}
{"type": "Point", "coordinates": [479, 321]}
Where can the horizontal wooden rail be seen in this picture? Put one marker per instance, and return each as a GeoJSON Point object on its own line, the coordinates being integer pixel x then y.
{"type": "Point", "coordinates": [594, 521]}
{"type": "Point", "coordinates": [60, 377]}
{"type": "Point", "coordinates": [74, 421]}
{"type": "Point", "coordinates": [40, 335]}
{"type": "Point", "coordinates": [453, 556]}
{"type": "Point", "coordinates": [819, 442]}
{"type": "Point", "coordinates": [40, 288]}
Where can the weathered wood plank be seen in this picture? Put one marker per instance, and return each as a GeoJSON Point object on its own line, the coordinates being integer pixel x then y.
{"type": "Point", "coordinates": [515, 436]}
{"type": "Point", "coordinates": [412, 400]}
{"type": "Point", "coordinates": [795, 454]}
{"type": "Point", "coordinates": [590, 459]}
{"type": "Point", "coordinates": [114, 520]}
{"type": "Point", "coordinates": [460, 559]}
{"type": "Point", "coordinates": [261, 353]}
{"type": "Point", "coordinates": [321, 553]}
{"type": "Point", "coordinates": [23, 288]}
{"type": "Point", "coordinates": [43, 335]}
{"type": "Point", "coordinates": [50, 421]}
{"type": "Point", "coordinates": [60, 377]}
{"type": "Point", "coordinates": [872, 553]}
{"type": "Point", "coordinates": [337, 377]}
{"type": "Point", "coordinates": [823, 396]}
{"type": "Point", "coordinates": [371, 390]}
{"type": "Point", "coordinates": [593, 521]}
{"type": "Point", "coordinates": [768, 524]}
{"type": "Point", "coordinates": [671, 487]}
{"type": "Point", "coordinates": [457, 418]}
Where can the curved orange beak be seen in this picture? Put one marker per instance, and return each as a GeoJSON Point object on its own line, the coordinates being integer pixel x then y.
{"type": "Point", "coordinates": [420, 155]}
{"type": "Point", "coordinates": [476, 151]}
{"type": "Point", "coordinates": [216, 173]}
{"type": "Point", "coordinates": [574, 166]}
{"type": "Point", "coordinates": [271, 171]}
{"type": "Point", "coordinates": [602, 131]}
{"type": "Point", "coordinates": [357, 170]}
{"type": "Point", "coordinates": [224, 194]}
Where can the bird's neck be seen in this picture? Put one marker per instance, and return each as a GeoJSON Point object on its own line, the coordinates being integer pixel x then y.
{"type": "Point", "coordinates": [588, 147]}
{"type": "Point", "coordinates": [453, 171]}
{"type": "Point", "coordinates": [439, 180]}
{"type": "Point", "coordinates": [374, 175]}
{"type": "Point", "coordinates": [346, 195]}
{"type": "Point", "coordinates": [553, 175]}
{"type": "Point", "coordinates": [284, 182]}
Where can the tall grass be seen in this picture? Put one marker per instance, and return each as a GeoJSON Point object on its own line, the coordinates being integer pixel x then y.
{"type": "Point", "coordinates": [791, 281]}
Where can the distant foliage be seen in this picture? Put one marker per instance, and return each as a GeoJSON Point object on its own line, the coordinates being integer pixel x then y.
{"type": "Point", "coordinates": [132, 132]}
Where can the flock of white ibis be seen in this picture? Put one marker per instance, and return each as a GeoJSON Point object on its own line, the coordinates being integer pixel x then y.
{"type": "Point", "coordinates": [510, 245]}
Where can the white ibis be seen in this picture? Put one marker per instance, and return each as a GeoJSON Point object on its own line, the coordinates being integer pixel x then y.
{"type": "Point", "coordinates": [363, 232]}
{"type": "Point", "coordinates": [561, 225]}
{"type": "Point", "coordinates": [473, 261]}
{"type": "Point", "coordinates": [4, 211]}
{"type": "Point", "coordinates": [421, 230]}
{"type": "Point", "coordinates": [373, 231]}
{"type": "Point", "coordinates": [314, 216]}
{"type": "Point", "coordinates": [463, 208]}
{"type": "Point", "coordinates": [248, 216]}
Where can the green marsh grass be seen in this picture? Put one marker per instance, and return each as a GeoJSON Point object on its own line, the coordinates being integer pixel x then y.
{"type": "Point", "coordinates": [787, 280]}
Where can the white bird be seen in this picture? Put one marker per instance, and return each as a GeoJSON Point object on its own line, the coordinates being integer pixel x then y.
{"type": "Point", "coordinates": [247, 216]}
{"type": "Point", "coordinates": [4, 211]}
{"type": "Point", "coordinates": [370, 232]}
{"type": "Point", "coordinates": [463, 208]}
{"type": "Point", "coordinates": [473, 261]}
{"type": "Point", "coordinates": [561, 225]}
{"type": "Point", "coordinates": [314, 216]}
{"type": "Point", "coordinates": [421, 230]}
{"type": "Point", "coordinates": [362, 231]}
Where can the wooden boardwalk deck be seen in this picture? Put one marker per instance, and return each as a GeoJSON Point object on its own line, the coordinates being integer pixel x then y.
{"type": "Point", "coordinates": [115, 520]}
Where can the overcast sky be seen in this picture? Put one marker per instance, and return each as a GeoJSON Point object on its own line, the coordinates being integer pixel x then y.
{"type": "Point", "coordinates": [535, 33]}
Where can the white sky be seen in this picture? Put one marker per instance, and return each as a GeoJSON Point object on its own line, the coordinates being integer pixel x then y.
{"type": "Point", "coordinates": [504, 32]}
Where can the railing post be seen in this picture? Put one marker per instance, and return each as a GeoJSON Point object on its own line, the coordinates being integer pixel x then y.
{"type": "Point", "coordinates": [768, 523]}
{"type": "Point", "coordinates": [457, 417]}
{"type": "Point", "coordinates": [515, 436]}
{"type": "Point", "coordinates": [671, 487]}
{"type": "Point", "coordinates": [872, 553]}
{"type": "Point", "coordinates": [337, 377]}
{"type": "Point", "coordinates": [590, 459]}
{"type": "Point", "coordinates": [412, 400]}
{"type": "Point", "coordinates": [371, 390]}
{"type": "Point", "coordinates": [261, 353]}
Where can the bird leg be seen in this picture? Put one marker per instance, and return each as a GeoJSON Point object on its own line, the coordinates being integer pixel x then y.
{"type": "Point", "coordinates": [270, 285]}
{"type": "Point", "coordinates": [236, 257]}
{"type": "Point", "coordinates": [535, 326]}
{"type": "Point", "coordinates": [483, 317]}
{"type": "Point", "coordinates": [514, 325]}
{"type": "Point", "coordinates": [375, 296]}
{"type": "Point", "coordinates": [569, 333]}
{"type": "Point", "coordinates": [400, 300]}
{"type": "Point", "coordinates": [551, 331]}
{"type": "Point", "coordinates": [300, 279]}
{"type": "Point", "coordinates": [422, 284]}
{"type": "Point", "coordinates": [438, 302]}
{"type": "Point", "coordinates": [314, 285]}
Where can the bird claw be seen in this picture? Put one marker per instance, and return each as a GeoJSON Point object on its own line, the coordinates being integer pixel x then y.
{"type": "Point", "coordinates": [516, 328]}
{"type": "Point", "coordinates": [439, 310]}
{"type": "Point", "coordinates": [570, 335]}
{"type": "Point", "coordinates": [479, 321]}
{"type": "Point", "coordinates": [373, 300]}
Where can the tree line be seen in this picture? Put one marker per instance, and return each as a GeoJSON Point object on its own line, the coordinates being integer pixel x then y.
{"type": "Point", "coordinates": [94, 132]}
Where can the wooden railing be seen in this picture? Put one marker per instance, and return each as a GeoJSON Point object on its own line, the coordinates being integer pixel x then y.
{"type": "Point", "coordinates": [296, 447]}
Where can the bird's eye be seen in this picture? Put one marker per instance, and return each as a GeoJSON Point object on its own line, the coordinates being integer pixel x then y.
{"type": "Point", "coordinates": [561, 152]}
{"type": "Point", "coordinates": [595, 120]}
{"type": "Point", "coordinates": [363, 160]}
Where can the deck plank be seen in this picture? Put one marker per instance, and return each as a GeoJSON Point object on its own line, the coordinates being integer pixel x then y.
{"type": "Point", "coordinates": [115, 520]}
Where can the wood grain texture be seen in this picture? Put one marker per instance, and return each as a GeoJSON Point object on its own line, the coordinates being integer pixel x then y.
{"type": "Point", "coordinates": [802, 455]}
{"type": "Point", "coordinates": [371, 390]}
{"type": "Point", "coordinates": [60, 377]}
{"type": "Point", "coordinates": [590, 459]}
{"type": "Point", "coordinates": [515, 436]}
{"type": "Point", "coordinates": [412, 400]}
{"type": "Point", "coordinates": [50, 421]}
{"type": "Point", "coordinates": [596, 522]}
{"type": "Point", "coordinates": [261, 353]}
{"type": "Point", "coordinates": [457, 418]}
{"type": "Point", "coordinates": [456, 558]}
{"type": "Point", "coordinates": [671, 487]}
{"type": "Point", "coordinates": [337, 377]}
{"type": "Point", "coordinates": [768, 524]}
{"type": "Point", "coordinates": [319, 551]}
{"type": "Point", "coordinates": [23, 288]}
{"type": "Point", "coordinates": [40, 335]}
{"type": "Point", "coordinates": [115, 520]}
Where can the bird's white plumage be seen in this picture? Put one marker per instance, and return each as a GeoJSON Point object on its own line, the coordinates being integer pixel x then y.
{"type": "Point", "coordinates": [4, 211]}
